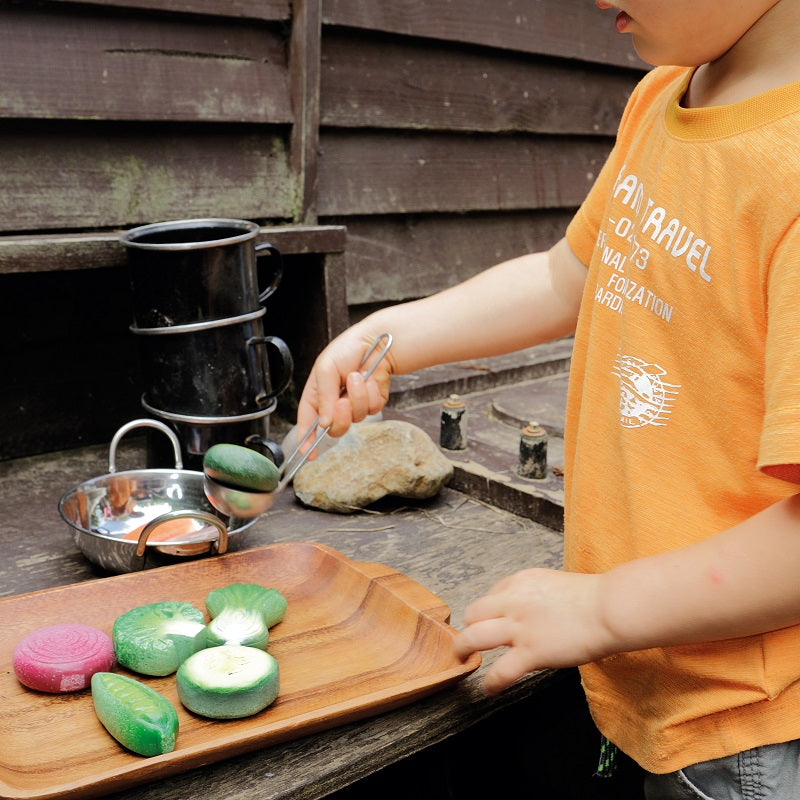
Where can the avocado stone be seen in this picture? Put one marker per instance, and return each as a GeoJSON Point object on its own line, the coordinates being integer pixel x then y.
{"type": "Point", "coordinates": [241, 468]}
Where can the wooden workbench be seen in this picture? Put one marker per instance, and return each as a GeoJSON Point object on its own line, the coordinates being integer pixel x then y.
{"type": "Point", "coordinates": [453, 545]}
{"type": "Point", "coordinates": [458, 743]}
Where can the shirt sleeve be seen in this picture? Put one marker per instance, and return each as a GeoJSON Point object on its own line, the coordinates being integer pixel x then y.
{"type": "Point", "coordinates": [779, 450]}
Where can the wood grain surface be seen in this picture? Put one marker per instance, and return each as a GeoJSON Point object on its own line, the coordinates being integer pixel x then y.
{"type": "Point", "coordinates": [104, 66]}
{"type": "Point", "coordinates": [414, 85]}
{"type": "Point", "coordinates": [355, 641]}
{"type": "Point", "coordinates": [453, 545]}
{"type": "Point", "coordinates": [248, 9]}
{"type": "Point", "coordinates": [445, 135]}
{"type": "Point", "coordinates": [552, 27]}
{"type": "Point", "coordinates": [448, 172]}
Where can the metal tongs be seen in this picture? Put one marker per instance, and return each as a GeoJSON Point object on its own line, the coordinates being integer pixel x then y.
{"type": "Point", "coordinates": [246, 504]}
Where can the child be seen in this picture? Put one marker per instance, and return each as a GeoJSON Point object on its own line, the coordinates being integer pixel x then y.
{"type": "Point", "coordinates": [680, 599]}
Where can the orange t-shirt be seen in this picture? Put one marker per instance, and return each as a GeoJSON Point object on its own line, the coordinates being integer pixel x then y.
{"type": "Point", "coordinates": [683, 416]}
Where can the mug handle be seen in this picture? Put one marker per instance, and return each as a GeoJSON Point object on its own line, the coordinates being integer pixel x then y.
{"type": "Point", "coordinates": [287, 364]}
{"type": "Point", "coordinates": [273, 451]}
{"type": "Point", "coordinates": [277, 272]}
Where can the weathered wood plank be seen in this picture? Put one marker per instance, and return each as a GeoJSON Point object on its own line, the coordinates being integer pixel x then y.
{"type": "Point", "coordinates": [101, 66]}
{"type": "Point", "coordinates": [545, 27]}
{"type": "Point", "coordinates": [60, 252]}
{"type": "Point", "coordinates": [304, 66]}
{"type": "Point", "coordinates": [115, 113]}
{"type": "Point", "coordinates": [246, 9]}
{"type": "Point", "coordinates": [458, 533]}
{"type": "Point", "coordinates": [393, 259]}
{"type": "Point", "coordinates": [369, 82]}
{"type": "Point", "coordinates": [102, 176]}
{"type": "Point", "coordinates": [391, 173]}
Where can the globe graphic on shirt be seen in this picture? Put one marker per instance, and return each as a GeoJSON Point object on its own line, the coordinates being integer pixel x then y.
{"type": "Point", "coordinates": [645, 398]}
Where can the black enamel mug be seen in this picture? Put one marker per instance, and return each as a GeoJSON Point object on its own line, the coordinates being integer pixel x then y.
{"type": "Point", "coordinates": [225, 367]}
{"type": "Point", "coordinates": [197, 270]}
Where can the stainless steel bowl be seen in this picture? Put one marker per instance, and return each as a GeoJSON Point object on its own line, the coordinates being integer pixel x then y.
{"type": "Point", "coordinates": [134, 519]}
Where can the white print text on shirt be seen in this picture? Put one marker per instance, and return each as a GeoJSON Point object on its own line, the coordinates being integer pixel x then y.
{"type": "Point", "coordinates": [651, 222]}
{"type": "Point", "coordinates": [620, 288]}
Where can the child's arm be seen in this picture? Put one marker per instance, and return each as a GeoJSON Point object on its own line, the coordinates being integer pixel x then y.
{"type": "Point", "coordinates": [742, 581]}
{"type": "Point", "coordinates": [515, 304]}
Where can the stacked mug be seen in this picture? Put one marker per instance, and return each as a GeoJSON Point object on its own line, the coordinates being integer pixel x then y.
{"type": "Point", "coordinates": [198, 316]}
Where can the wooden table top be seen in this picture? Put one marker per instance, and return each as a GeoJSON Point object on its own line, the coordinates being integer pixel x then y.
{"type": "Point", "coordinates": [453, 545]}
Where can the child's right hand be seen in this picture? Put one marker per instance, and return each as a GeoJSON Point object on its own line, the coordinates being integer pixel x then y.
{"type": "Point", "coordinates": [339, 365]}
{"type": "Point", "coordinates": [545, 618]}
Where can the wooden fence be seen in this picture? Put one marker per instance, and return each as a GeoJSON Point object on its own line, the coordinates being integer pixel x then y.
{"type": "Point", "coordinates": [444, 135]}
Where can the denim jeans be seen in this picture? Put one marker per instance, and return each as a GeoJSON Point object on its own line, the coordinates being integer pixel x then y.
{"type": "Point", "coordinates": [771, 772]}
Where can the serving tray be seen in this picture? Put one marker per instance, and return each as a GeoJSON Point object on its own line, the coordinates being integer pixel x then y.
{"type": "Point", "coordinates": [358, 639]}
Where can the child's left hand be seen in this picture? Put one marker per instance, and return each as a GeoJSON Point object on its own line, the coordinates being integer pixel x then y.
{"type": "Point", "coordinates": [547, 619]}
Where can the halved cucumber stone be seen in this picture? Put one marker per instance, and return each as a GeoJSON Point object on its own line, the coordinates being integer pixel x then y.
{"type": "Point", "coordinates": [153, 639]}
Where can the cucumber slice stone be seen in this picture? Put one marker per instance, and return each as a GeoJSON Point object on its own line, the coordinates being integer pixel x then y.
{"type": "Point", "coordinates": [228, 682]}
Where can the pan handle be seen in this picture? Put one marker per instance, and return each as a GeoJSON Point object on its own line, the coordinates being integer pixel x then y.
{"type": "Point", "coordinates": [181, 513]}
{"type": "Point", "coordinates": [143, 423]}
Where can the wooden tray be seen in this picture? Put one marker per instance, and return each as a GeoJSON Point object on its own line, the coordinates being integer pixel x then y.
{"type": "Point", "coordinates": [358, 639]}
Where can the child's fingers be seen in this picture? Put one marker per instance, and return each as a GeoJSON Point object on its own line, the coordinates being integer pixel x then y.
{"type": "Point", "coordinates": [484, 635]}
{"type": "Point", "coordinates": [329, 380]}
{"type": "Point", "coordinates": [488, 635]}
{"type": "Point", "coordinates": [357, 396]}
{"type": "Point", "coordinates": [508, 669]}
{"type": "Point", "coordinates": [378, 396]}
{"type": "Point", "coordinates": [489, 606]}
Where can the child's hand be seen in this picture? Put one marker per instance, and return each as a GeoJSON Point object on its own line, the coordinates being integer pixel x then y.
{"type": "Point", "coordinates": [547, 618]}
{"type": "Point", "coordinates": [339, 365]}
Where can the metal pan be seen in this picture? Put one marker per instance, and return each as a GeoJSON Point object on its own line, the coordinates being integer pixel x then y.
{"type": "Point", "coordinates": [134, 519]}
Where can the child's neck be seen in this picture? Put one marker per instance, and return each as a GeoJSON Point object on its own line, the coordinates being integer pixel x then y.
{"type": "Point", "coordinates": [766, 57]}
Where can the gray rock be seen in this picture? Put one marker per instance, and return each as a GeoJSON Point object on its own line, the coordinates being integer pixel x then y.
{"type": "Point", "coordinates": [373, 460]}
